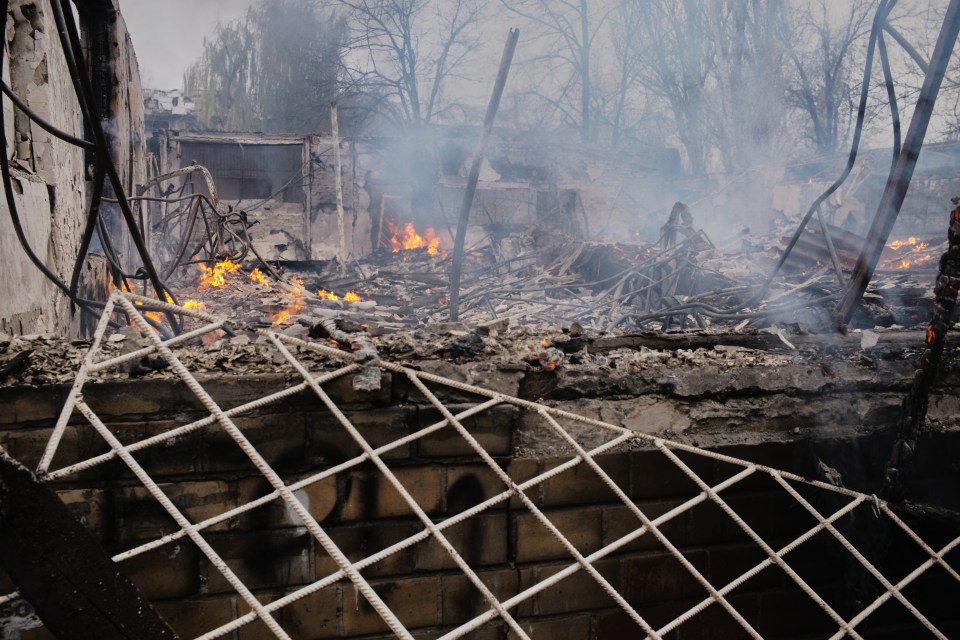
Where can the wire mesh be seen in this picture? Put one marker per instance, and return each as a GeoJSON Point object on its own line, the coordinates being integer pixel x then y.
{"type": "Point", "coordinates": [820, 512]}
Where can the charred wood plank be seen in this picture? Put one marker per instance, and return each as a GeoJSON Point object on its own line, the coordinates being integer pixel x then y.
{"type": "Point", "coordinates": [15, 364]}
{"type": "Point", "coordinates": [761, 341]}
{"type": "Point", "coordinates": [60, 569]}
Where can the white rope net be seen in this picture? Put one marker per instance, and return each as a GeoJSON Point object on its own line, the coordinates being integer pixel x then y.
{"type": "Point", "coordinates": [822, 525]}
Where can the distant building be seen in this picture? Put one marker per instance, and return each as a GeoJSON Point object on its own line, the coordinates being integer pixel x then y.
{"type": "Point", "coordinates": [169, 110]}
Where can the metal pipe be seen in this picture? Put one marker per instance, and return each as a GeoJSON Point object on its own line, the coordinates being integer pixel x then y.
{"type": "Point", "coordinates": [456, 268]}
{"type": "Point", "coordinates": [899, 181]}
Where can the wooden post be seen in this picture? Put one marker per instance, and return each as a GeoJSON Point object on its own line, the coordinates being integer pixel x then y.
{"type": "Point", "coordinates": [899, 181]}
{"type": "Point", "coordinates": [456, 269]}
{"type": "Point", "coordinates": [339, 182]}
{"type": "Point", "coordinates": [75, 588]}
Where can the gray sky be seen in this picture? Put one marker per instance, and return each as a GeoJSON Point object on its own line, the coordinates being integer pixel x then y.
{"type": "Point", "coordinates": [168, 34]}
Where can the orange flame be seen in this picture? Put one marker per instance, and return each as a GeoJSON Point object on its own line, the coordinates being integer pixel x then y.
{"type": "Point", "coordinates": [323, 294]}
{"type": "Point", "coordinates": [408, 238]}
{"type": "Point", "coordinates": [931, 334]}
{"type": "Point", "coordinates": [257, 276]}
{"type": "Point", "coordinates": [349, 296]}
{"type": "Point", "coordinates": [906, 264]}
{"type": "Point", "coordinates": [295, 306]}
{"type": "Point", "coordinates": [899, 244]}
{"type": "Point", "coordinates": [195, 305]}
{"type": "Point", "coordinates": [214, 276]}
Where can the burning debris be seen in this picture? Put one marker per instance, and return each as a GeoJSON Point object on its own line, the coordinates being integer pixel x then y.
{"type": "Point", "coordinates": [681, 282]}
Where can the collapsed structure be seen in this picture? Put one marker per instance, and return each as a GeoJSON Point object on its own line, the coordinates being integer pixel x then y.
{"type": "Point", "coordinates": [617, 435]}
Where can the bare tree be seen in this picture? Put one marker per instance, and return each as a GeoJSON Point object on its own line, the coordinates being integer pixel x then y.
{"type": "Point", "coordinates": [220, 80]}
{"type": "Point", "coordinates": [276, 69]}
{"type": "Point", "coordinates": [624, 77]}
{"type": "Point", "coordinates": [675, 59]}
{"type": "Point", "coordinates": [713, 67]}
{"type": "Point", "coordinates": [824, 39]}
{"type": "Point", "coordinates": [748, 84]}
{"type": "Point", "coordinates": [564, 35]}
{"type": "Point", "coordinates": [404, 51]}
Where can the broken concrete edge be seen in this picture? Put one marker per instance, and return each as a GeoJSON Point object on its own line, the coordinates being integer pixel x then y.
{"type": "Point", "coordinates": [62, 571]}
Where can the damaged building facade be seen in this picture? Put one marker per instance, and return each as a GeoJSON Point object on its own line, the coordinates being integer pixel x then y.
{"type": "Point", "coordinates": [51, 181]}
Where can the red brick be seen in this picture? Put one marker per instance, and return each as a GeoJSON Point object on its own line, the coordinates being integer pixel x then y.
{"type": "Point", "coordinates": [716, 622]}
{"type": "Point", "coordinates": [278, 438]}
{"type": "Point", "coordinates": [320, 498]}
{"type": "Point", "coordinates": [314, 616]}
{"type": "Point", "coordinates": [790, 611]}
{"type": "Point", "coordinates": [262, 559]}
{"type": "Point", "coordinates": [372, 495]}
{"type": "Point", "coordinates": [328, 443]}
{"type": "Point", "coordinates": [360, 541]}
{"type": "Point", "coordinates": [574, 627]}
{"type": "Point", "coordinates": [768, 514]}
{"type": "Point", "coordinates": [463, 601]}
{"type": "Point", "coordinates": [193, 617]}
{"type": "Point", "coordinates": [619, 521]}
{"type": "Point", "coordinates": [579, 591]}
{"type": "Point", "coordinates": [582, 485]}
{"type": "Point", "coordinates": [88, 506]}
{"type": "Point", "coordinates": [520, 470]}
{"type": "Point", "coordinates": [171, 571]}
{"type": "Point", "coordinates": [23, 406]}
{"type": "Point", "coordinates": [27, 446]}
{"type": "Point", "coordinates": [469, 485]}
{"type": "Point", "coordinates": [493, 430]}
{"type": "Point", "coordinates": [481, 540]}
{"type": "Point", "coordinates": [415, 602]}
{"type": "Point", "coordinates": [659, 577]}
{"type": "Point", "coordinates": [654, 476]}
{"type": "Point", "coordinates": [142, 517]}
{"type": "Point", "coordinates": [729, 562]}
{"type": "Point", "coordinates": [535, 543]}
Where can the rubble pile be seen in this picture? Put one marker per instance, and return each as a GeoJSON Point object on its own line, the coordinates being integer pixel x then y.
{"type": "Point", "coordinates": [529, 301]}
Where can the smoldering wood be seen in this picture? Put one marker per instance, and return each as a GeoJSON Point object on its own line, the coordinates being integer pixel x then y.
{"type": "Point", "coordinates": [60, 569]}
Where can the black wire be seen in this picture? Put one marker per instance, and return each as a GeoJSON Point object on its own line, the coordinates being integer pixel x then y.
{"type": "Point", "coordinates": [43, 124]}
{"type": "Point", "coordinates": [92, 216]}
{"type": "Point", "coordinates": [70, 42]}
{"type": "Point", "coordinates": [891, 97]}
{"type": "Point", "coordinates": [12, 209]}
{"type": "Point", "coordinates": [882, 11]}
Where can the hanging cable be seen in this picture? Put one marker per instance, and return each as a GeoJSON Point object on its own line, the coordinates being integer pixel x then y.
{"type": "Point", "coordinates": [70, 41]}
{"type": "Point", "coordinates": [891, 97]}
{"type": "Point", "coordinates": [43, 124]}
{"type": "Point", "coordinates": [880, 17]}
{"type": "Point", "coordinates": [87, 306]}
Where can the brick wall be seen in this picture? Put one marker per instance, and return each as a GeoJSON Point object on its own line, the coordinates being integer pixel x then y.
{"type": "Point", "coordinates": [205, 474]}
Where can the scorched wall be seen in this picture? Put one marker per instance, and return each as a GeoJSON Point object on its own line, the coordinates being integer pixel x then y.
{"type": "Point", "coordinates": [769, 405]}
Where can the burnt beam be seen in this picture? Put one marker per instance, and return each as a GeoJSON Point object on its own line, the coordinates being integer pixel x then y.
{"type": "Point", "coordinates": [456, 268]}
{"type": "Point", "coordinates": [60, 569]}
